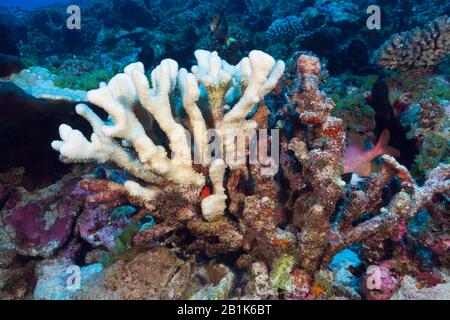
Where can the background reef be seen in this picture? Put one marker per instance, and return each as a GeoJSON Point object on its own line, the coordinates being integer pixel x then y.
{"type": "Point", "coordinates": [359, 208]}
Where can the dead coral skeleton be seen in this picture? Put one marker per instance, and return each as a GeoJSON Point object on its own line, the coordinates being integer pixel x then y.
{"type": "Point", "coordinates": [317, 185]}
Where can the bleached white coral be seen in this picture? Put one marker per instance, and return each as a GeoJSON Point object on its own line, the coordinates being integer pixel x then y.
{"type": "Point", "coordinates": [125, 142]}
{"type": "Point", "coordinates": [242, 86]}
{"type": "Point", "coordinates": [214, 205]}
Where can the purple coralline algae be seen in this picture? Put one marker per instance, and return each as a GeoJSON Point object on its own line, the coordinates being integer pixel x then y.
{"type": "Point", "coordinates": [41, 223]}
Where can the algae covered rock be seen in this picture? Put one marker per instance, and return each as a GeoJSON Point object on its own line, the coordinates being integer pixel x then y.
{"type": "Point", "coordinates": [154, 274]}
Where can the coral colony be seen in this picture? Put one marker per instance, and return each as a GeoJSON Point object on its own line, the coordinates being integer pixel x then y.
{"type": "Point", "coordinates": [225, 150]}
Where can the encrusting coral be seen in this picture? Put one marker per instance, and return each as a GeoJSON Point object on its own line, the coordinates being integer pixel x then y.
{"type": "Point", "coordinates": [39, 83]}
{"type": "Point", "coordinates": [416, 49]}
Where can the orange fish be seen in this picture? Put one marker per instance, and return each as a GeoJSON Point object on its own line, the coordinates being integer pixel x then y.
{"type": "Point", "coordinates": [206, 191]}
{"type": "Point", "coordinates": [357, 160]}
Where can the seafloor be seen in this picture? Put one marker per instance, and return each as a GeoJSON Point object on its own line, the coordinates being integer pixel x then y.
{"type": "Point", "coordinates": [102, 194]}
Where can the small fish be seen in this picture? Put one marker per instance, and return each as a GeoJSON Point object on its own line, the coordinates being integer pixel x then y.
{"type": "Point", "coordinates": [357, 160]}
{"type": "Point", "coordinates": [219, 27]}
{"type": "Point", "coordinates": [206, 191]}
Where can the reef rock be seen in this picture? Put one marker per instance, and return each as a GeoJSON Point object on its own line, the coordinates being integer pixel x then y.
{"type": "Point", "coordinates": [155, 274]}
{"type": "Point", "coordinates": [17, 281]}
{"type": "Point", "coordinates": [39, 223]}
{"type": "Point", "coordinates": [410, 291]}
{"type": "Point", "coordinates": [98, 226]}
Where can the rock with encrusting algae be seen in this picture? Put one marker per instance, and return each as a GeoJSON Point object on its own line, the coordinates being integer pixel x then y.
{"type": "Point", "coordinates": [39, 223]}
{"type": "Point", "coordinates": [222, 290]}
{"type": "Point", "coordinates": [17, 281]}
{"type": "Point", "coordinates": [99, 226]}
{"type": "Point", "coordinates": [155, 274]}
{"type": "Point", "coordinates": [409, 291]}
{"type": "Point", "coordinates": [323, 284]}
{"type": "Point", "coordinates": [217, 283]}
{"type": "Point", "coordinates": [258, 287]}
{"type": "Point", "coordinates": [145, 277]}
{"type": "Point", "coordinates": [54, 281]}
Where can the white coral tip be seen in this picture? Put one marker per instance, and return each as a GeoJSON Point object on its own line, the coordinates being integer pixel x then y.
{"type": "Point", "coordinates": [64, 131]}
{"type": "Point", "coordinates": [56, 145]}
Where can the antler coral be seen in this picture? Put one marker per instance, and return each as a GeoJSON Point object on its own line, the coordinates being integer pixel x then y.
{"type": "Point", "coordinates": [124, 140]}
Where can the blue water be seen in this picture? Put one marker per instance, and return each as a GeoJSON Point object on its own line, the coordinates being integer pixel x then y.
{"type": "Point", "coordinates": [30, 4]}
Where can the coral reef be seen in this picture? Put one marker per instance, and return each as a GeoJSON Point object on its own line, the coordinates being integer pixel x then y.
{"type": "Point", "coordinates": [420, 104]}
{"type": "Point", "coordinates": [286, 29]}
{"type": "Point", "coordinates": [312, 213]}
{"type": "Point", "coordinates": [155, 274]}
{"type": "Point", "coordinates": [410, 291]}
{"type": "Point", "coordinates": [243, 177]}
{"type": "Point", "coordinates": [321, 213]}
{"type": "Point", "coordinates": [39, 83]}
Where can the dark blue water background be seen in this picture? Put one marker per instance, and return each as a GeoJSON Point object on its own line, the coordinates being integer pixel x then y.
{"type": "Point", "coordinates": [30, 4]}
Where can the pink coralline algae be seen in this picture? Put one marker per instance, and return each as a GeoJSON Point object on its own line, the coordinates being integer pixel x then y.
{"type": "Point", "coordinates": [98, 227]}
{"type": "Point", "coordinates": [41, 223]}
